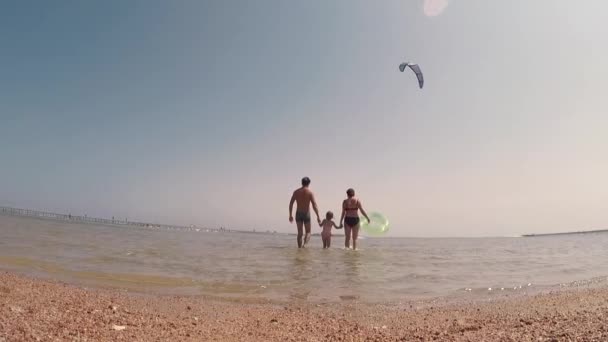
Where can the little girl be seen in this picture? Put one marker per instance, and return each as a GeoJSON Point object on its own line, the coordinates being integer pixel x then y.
{"type": "Point", "coordinates": [327, 224]}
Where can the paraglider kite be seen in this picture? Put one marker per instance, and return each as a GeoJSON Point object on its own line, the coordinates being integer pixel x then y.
{"type": "Point", "coordinates": [416, 69]}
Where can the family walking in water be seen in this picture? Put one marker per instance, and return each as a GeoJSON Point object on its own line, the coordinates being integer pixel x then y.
{"type": "Point", "coordinates": [349, 219]}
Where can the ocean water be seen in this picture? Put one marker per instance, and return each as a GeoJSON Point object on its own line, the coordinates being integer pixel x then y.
{"type": "Point", "coordinates": [248, 266]}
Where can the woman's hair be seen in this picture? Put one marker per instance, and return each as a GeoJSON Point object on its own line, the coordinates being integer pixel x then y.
{"type": "Point", "coordinates": [329, 215]}
{"type": "Point", "coordinates": [350, 192]}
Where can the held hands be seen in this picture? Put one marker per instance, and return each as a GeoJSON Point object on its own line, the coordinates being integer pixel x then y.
{"type": "Point", "coordinates": [290, 219]}
{"type": "Point", "coordinates": [368, 220]}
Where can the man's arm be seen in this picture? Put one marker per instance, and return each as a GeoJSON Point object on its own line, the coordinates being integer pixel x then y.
{"type": "Point", "coordinates": [314, 206]}
{"type": "Point", "coordinates": [293, 199]}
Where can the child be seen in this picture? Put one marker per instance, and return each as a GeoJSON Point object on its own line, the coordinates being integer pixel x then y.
{"type": "Point", "coordinates": [327, 224]}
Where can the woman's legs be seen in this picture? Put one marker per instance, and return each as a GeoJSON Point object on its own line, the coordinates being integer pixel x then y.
{"type": "Point", "coordinates": [355, 231]}
{"type": "Point", "coordinates": [347, 236]}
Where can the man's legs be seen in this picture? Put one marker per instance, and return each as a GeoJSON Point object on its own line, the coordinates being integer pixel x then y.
{"type": "Point", "coordinates": [299, 225]}
{"type": "Point", "coordinates": [307, 236]}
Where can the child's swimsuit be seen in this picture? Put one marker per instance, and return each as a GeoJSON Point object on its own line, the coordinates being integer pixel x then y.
{"type": "Point", "coordinates": [326, 233]}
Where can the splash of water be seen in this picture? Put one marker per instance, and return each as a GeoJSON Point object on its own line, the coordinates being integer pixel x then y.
{"type": "Point", "coordinates": [433, 8]}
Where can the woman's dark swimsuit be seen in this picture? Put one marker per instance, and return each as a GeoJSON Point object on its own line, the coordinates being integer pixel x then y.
{"type": "Point", "coordinates": [351, 221]}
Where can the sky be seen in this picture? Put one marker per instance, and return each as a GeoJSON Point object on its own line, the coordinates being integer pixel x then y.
{"type": "Point", "coordinates": [210, 112]}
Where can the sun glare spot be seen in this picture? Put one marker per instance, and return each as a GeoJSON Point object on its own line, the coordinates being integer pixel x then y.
{"type": "Point", "coordinates": [433, 8]}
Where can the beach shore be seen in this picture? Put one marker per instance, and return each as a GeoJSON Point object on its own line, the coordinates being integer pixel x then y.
{"type": "Point", "coordinates": [41, 310]}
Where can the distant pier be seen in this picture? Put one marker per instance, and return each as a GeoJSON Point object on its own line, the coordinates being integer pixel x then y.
{"type": "Point", "coordinates": [88, 219]}
{"type": "Point", "coordinates": [115, 222]}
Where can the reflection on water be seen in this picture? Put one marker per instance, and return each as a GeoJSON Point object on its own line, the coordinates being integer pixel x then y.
{"type": "Point", "coordinates": [352, 265]}
{"type": "Point", "coordinates": [252, 266]}
{"type": "Point", "coordinates": [301, 268]}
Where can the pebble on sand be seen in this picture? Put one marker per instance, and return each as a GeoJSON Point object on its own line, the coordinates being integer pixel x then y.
{"type": "Point", "coordinates": [119, 327]}
{"type": "Point", "coordinates": [16, 309]}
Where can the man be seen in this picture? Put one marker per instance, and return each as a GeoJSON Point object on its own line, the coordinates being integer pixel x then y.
{"type": "Point", "coordinates": [303, 197]}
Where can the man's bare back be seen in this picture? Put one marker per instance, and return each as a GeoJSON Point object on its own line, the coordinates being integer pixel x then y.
{"type": "Point", "coordinates": [303, 198]}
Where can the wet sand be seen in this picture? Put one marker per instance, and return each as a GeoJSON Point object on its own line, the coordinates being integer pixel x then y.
{"type": "Point", "coordinates": [41, 310]}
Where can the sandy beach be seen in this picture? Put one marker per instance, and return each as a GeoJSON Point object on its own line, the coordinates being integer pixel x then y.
{"type": "Point", "coordinates": [41, 310]}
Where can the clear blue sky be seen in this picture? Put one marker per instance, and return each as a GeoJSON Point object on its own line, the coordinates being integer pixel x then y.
{"type": "Point", "coordinates": [210, 112]}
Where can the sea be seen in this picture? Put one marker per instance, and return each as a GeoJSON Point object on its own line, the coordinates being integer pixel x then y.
{"type": "Point", "coordinates": [270, 267]}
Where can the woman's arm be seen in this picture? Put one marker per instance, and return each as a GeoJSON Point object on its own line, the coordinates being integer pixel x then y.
{"type": "Point", "coordinates": [343, 212]}
{"type": "Point", "coordinates": [363, 211]}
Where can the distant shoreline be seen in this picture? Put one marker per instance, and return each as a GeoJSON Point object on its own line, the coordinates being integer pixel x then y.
{"type": "Point", "coordinates": [567, 233]}
{"type": "Point", "coordinates": [126, 223]}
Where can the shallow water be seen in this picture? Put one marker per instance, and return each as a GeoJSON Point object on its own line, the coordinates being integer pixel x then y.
{"type": "Point", "coordinates": [268, 266]}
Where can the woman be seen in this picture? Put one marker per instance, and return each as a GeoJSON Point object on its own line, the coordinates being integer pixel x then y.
{"type": "Point", "coordinates": [350, 217]}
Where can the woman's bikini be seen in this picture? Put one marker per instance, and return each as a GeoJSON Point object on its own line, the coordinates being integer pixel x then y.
{"type": "Point", "coordinates": [351, 221]}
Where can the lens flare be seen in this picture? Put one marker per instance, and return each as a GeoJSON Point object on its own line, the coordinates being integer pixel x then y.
{"type": "Point", "coordinates": [378, 225]}
{"type": "Point", "coordinates": [433, 8]}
